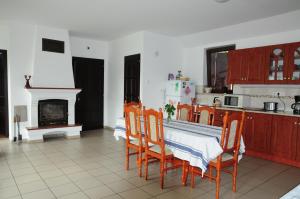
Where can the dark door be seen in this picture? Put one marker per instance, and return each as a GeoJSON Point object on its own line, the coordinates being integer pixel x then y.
{"type": "Point", "coordinates": [3, 94]}
{"type": "Point", "coordinates": [132, 78]}
{"type": "Point", "coordinates": [89, 76]}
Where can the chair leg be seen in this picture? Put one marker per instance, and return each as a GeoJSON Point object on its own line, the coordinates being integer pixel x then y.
{"type": "Point", "coordinates": [127, 159]}
{"type": "Point", "coordinates": [234, 174]}
{"type": "Point", "coordinates": [146, 167]}
{"type": "Point", "coordinates": [218, 181]}
{"type": "Point", "coordinates": [162, 173]}
{"type": "Point", "coordinates": [192, 178]}
{"type": "Point", "coordinates": [210, 172]}
{"type": "Point", "coordinates": [140, 164]}
{"type": "Point", "coordinates": [185, 172]}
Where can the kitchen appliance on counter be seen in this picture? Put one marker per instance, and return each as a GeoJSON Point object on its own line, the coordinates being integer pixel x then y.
{"type": "Point", "coordinates": [217, 102]}
{"type": "Point", "coordinates": [236, 101]}
{"type": "Point", "coordinates": [296, 105]}
{"type": "Point", "coordinates": [271, 106]}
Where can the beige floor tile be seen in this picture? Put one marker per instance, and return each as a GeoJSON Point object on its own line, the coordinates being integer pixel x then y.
{"type": "Point", "coordinates": [95, 165]}
{"type": "Point", "coordinates": [120, 186]}
{"type": "Point", "coordinates": [9, 182]}
{"type": "Point", "coordinates": [32, 186]}
{"type": "Point", "coordinates": [57, 181]}
{"type": "Point", "coordinates": [51, 173]}
{"type": "Point", "coordinates": [9, 192]}
{"type": "Point", "coordinates": [109, 178]}
{"type": "Point", "coordinates": [72, 169]}
{"type": "Point", "coordinates": [171, 195]}
{"type": "Point", "coordinates": [78, 195]}
{"type": "Point", "coordinates": [43, 194]}
{"type": "Point", "coordinates": [87, 183]}
{"type": "Point", "coordinates": [27, 178]}
{"type": "Point", "coordinates": [98, 192]}
{"type": "Point", "coordinates": [154, 189]}
{"type": "Point", "coordinates": [79, 175]}
{"type": "Point", "coordinates": [135, 194]}
{"type": "Point", "coordinates": [47, 167]}
{"type": "Point", "coordinates": [99, 171]}
{"type": "Point", "coordinates": [23, 171]}
{"type": "Point", "coordinates": [65, 189]}
{"type": "Point", "coordinates": [115, 196]}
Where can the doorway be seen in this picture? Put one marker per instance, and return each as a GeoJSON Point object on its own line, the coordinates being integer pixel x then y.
{"type": "Point", "coordinates": [4, 132]}
{"type": "Point", "coordinates": [132, 78]}
{"type": "Point", "coordinates": [89, 76]}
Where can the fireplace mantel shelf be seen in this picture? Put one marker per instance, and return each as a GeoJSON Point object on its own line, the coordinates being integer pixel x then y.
{"type": "Point", "coordinates": [52, 89]}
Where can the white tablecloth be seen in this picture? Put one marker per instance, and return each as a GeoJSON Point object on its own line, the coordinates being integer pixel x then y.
{"type": "Point", "coordinates": [196, 143]}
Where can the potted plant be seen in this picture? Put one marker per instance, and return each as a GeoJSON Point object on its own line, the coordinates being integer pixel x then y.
{"type": "Point", "coordinates": [170, 109]}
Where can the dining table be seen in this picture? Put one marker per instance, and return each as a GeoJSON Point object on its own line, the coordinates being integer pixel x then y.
{"type": "Point", "coordinates": [195, 143]}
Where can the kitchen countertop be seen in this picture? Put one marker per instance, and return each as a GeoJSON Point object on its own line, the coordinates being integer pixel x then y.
{"type": "Point", "coordinates": [259, 110]}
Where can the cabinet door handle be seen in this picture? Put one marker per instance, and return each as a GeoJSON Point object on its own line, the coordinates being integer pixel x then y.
{"type": "Point", "coordinates": [299, 123]}
{"type": "Point", "coordinates": [284, 78]}
{"type": "Point", "coordinates": [296, 123]}
{"type": "Point", "coordinates": [288, 78]}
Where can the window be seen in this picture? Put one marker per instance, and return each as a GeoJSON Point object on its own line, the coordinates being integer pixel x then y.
{"type": "Point", "coordinates": [217, 68]}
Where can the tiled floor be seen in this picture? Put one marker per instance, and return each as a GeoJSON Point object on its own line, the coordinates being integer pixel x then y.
{"type": "Point", "coordinates": [93, 167]}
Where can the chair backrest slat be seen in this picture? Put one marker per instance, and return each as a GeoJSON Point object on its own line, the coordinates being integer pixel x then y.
{"type": "Point", "coordinates": [132, 122]}
{"type": "Point", "coordinates": [184, 112]}
{"type": "Point", "coordinates": [204, 115]}
{"type": "Point", "coordinates": [153, 125]}
{"type": "Point", "coordinates": [232, 132]}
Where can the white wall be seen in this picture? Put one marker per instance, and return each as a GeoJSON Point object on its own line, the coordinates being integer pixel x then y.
{"type": "Point", "coordinates": [162, 55]}
{"type": "Point", "coordinates": [129, 45]}
{"type": "Point", "coordinates": [52, 69]}
{"type": "Point", "coordinates": [97, 50]}
{"type": "Point", "coordinates": [19, 41]}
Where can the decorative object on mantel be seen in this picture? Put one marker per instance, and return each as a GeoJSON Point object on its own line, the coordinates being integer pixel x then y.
{"type": "Point", "coordinates": [179, 75]}
{"type": "Point", "coordinates": [20, 116]}
{"type": "Point", "coordinates": [27, 78]}
{"type": "Point", "coordinates": [170, 109]}
{"type": "Point", "coordinates": [171, 76]}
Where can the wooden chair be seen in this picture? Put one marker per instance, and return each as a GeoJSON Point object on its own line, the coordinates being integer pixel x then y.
{"type": "Point", "coordinates": [184, 112]}
{"type": "Point", "coordinates": [230, 142]}
{"type": "Point", "coordinates": [155, 145]}
{"type": "Point", "coordinates": [204, 115]}
{"type": "Point", "coordinates": [134, 139]}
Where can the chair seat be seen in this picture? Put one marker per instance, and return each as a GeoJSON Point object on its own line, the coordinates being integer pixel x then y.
{"type": "Point", "coordinates": [157, 149]}
{"type": "Point", "coordinates": [137, 142]}
{"type": "Point", "coordinates": [225, 157]}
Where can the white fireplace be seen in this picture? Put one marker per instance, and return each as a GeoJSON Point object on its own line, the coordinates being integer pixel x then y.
{"type": "Point", "coordinates": [36, 132]}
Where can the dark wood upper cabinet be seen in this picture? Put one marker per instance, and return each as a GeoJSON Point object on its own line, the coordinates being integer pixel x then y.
{"type": "Point", "coordinates": [256, 61]}
{"type": "Point", "coordinates": [246, 66]}
{"type": "Point", "coordinates": [293, 63]}
{"type": "Point", "coordinates": [276, 64]}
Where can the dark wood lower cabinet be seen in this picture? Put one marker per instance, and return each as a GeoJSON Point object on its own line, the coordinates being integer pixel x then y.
{"type": "Point", "coordinates": [298, 142]}
{"type": "Point", "coordinates": [284, 137]}
{"type": "Point", "coordinates": [257, 132]}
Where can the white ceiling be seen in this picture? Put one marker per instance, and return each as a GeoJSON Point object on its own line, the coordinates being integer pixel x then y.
{"type": "Point", "coordinates": [109, 19]}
